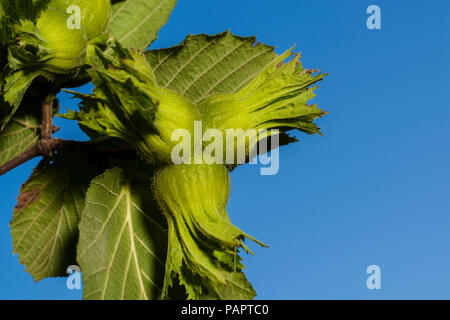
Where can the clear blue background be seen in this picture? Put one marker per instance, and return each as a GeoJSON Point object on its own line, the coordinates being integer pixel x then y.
{"type": "Point", "coordinates": [374, 190]}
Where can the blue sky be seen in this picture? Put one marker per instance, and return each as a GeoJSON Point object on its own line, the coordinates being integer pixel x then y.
{"type": "Point", "coordinates": [374, 190]}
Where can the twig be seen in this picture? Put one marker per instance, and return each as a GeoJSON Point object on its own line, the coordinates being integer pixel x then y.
{"type": "Point", "coordinates": [47, 119]}
{"type": "Point", "coordinates": [17, 161]}
{"type": "Point", "coordinates": [46, 148]}
{"type": "Point", "coordinates": [41, 148]}
{"type": "Point", "coordinates": [47, 145]}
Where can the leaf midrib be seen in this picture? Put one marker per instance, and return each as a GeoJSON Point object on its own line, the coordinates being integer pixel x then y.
{"type": "Point", "coordinates": [132, 244]}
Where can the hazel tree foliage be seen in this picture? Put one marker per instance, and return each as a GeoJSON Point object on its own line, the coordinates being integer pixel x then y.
{"type": "Point", "coordinates": [139, 225]}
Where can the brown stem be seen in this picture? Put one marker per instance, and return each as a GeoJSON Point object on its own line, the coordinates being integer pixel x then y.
{"type": "Point", "coordinates": [46, 145]}
{"type": "Point", "coordinates": [17, 161]}
{"type": "Point", "coordinates": [47, 119]}
{"type": "Point", "coordinates": [41, 148]}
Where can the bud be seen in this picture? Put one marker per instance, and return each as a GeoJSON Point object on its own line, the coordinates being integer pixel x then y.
{"type": "Point", "coordinates": [275, 99]}
{"type": "Point", "coordinates": [66, 48]}
{"type": "Point", "coordinates": [95, 14]}
{"type": "Point", "coordinates": [202, 240]}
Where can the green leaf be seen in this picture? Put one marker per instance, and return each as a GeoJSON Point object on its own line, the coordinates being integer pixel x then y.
{"type": "Point", "coordinates": [123, 238]}
{"type": "Point", "coordinates": [20, 134]}
{"type": "Point", "coordinates": [44, 225]}
{"type": "Point", "coordinates": [135, 23]}
{"type": "Point", "coordinates": [203, 65]}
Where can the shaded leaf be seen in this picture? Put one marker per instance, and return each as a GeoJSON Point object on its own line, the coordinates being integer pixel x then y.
{"type": "Point", "coordinates": [23, 9]}
{"type": "Point", "coordinates": [15, 87]}
{"type": "Point", "coordinates": [16, 21]}
{"type": "Point", "coordinates": [44, 225]}
{"type": "Point", "coordinates": [123, 238]}
{"type": "Point", "coordinates": [20, 134]}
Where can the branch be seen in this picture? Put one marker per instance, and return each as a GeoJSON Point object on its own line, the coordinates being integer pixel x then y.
{"type": "Point", "coordinates": [17, 161]}
{"type": "Point", "coordinates": [41, 148]}
{"type": "Point", "coordinates": [45, 148]}
{"type": "Point", "coordinates": [46, 145]}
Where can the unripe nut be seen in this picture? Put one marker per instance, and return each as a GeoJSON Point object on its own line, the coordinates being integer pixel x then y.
{"type": "Point", "coordinates": [66, 47]}
{"type": "Point", "coordinates": [95, 14]}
